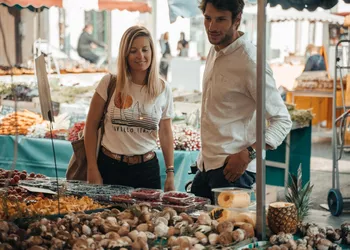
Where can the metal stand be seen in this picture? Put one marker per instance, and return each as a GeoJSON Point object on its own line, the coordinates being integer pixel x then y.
{"type": "Point", "coordinates": [336, 202]}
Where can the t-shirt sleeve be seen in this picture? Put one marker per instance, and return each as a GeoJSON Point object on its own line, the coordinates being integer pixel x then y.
{"type": "Point", "coordinates": [168, 109]}
{"type": "Point", "coordinates": [102, 87]}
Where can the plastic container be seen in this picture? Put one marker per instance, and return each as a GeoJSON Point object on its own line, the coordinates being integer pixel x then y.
{"type": "Point", "coordinates": [232, 197]}
{"type": "Point", "coordinates": [146, 194]}
{"type": "Point", "coordinates": [209, 207]}
{"type": "Point", "coordinates": [200, 202]}
{"type": "Point", "coordinates": [177, 198]}
{"type": "Point", "coordinates": [123, 198]}
{"type": "Point", "coordinates": [180, 208]}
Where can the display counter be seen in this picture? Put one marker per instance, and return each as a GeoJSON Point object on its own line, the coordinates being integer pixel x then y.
{"type": "Point", "coordinates": [36, 155]}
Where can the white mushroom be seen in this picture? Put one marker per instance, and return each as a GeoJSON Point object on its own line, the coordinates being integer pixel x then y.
{"type": "Point", "coordinates": [204, 219]}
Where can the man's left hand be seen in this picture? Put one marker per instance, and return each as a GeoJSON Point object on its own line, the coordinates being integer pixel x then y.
{"type": "Point", "coordinates": [169, 183]}
{"type": "Point", "coordinates": [236, 164]}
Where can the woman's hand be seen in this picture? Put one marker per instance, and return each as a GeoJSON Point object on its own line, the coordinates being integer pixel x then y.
{"type": "Point", "coordinates": [94, 176]}
{"type": "Point", "coordinates": [169, 182]}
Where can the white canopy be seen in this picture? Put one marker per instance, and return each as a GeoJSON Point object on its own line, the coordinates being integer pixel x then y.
{"type": "Point", "coordinates": [277, 14]}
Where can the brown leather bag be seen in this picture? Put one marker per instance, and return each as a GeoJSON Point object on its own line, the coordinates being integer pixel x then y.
{"type": "Point", "coordinates": [77, 167]}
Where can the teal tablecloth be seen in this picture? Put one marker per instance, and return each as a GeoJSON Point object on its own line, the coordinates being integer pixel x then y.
{"type": "Point", "coordinates": [36, 155]}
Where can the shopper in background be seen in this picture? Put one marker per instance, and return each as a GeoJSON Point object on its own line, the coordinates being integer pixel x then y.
{"type": "Point", "coordinates": [140, 108]}
{"type": "Point", "coordinates": [87, 43]}
{"type": "Point", "coordinates": [315, 61]}
{"type": "Point", "coordinates": [166, 55]}
{"type": "Point", "coordinates": [182, 45]}
{"type": "Point", "coordinates": [228, 114]}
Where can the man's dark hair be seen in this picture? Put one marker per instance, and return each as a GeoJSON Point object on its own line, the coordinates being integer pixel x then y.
{"type": "Point", "coordinates": [235, 6]}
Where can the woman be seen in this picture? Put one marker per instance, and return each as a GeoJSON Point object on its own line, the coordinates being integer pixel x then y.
{"type": "Point", "coordinates": [140, 108]}
{"type": "Point", "coordinates": [166, 55]}
{"type": "Point", "coordinates": [182, 45]}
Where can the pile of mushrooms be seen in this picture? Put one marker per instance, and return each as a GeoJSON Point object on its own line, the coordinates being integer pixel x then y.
{"type": "Point", "coordinates": [138, 227]}
{"type": "Point", "coordinates": [313, 237]}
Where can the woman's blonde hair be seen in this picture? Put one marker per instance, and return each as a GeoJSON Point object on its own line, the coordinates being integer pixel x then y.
{"type": "Point", "coordinates": [154, 86]}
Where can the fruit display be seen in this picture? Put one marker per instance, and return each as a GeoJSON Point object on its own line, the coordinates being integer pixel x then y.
{"type": "Point", "coordinates": [76, 132]}
{"type": "Point", "coordinates": [138, 227]}
{"type": "Point", "coordinates": [14, 193]}
{"type": "Point", "coordinates": [19, 122]}
{"type": "Point", "coordinates": [177, 198]}
{"type": "Point", "coordinates": [146, 194]}
{"type": "Point", "coordinates": [60, 134]}
{"type": "Point", "coordinates": [123, 198]}
{"type": "Point", "coordinates": [8, 177]}
{"type": "Point", "coordinates": [185, 138]}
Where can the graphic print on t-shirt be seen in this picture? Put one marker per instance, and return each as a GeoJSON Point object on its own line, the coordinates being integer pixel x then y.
{"type": "Point", "coordinates": [133, 114]}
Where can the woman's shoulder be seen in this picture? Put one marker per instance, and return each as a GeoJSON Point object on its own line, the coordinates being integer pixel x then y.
{"type": "Point", "coordinates": [165, 85]}
{"type": "Point", "coordinates": [106, 77]}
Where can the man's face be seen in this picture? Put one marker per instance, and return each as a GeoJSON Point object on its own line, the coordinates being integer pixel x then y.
{"type": "Point", "coordinates": [219, 26]}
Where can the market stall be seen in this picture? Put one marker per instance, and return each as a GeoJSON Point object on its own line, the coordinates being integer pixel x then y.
{"type": "Point", "coordinates": [35, 155]}
{"type": "Point", "coordinates": [34, 217]}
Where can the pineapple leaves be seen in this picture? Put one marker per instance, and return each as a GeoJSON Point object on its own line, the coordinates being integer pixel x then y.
{"type": "Point", "coordinates": [299, 194]}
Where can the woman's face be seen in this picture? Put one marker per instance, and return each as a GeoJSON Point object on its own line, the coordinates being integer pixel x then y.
{"type": "Point", "coordinates": [140, 56]}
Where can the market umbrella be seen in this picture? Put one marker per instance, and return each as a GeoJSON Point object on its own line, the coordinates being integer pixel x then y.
{"type": "Point", "coordinates": [141, 6]}
{"type": "Point", "coordinates": [310, 5]}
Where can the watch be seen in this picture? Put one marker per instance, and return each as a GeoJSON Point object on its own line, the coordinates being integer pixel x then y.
{"type": "Point", "coordinates": [252, 153]}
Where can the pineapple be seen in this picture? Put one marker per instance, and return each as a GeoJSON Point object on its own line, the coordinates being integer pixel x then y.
{"type": "Point", "coordinates": [299, 195]}
{"type": "Point", "coordinates": [288, 216]}
{"type": "Point", "coordinates": [282, 217]}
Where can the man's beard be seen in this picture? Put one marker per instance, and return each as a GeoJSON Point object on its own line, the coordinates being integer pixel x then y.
{"type": "Point", "coordinates": [226, 39]}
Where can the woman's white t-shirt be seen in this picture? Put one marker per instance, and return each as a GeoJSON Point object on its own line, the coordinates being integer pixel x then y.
{"type": "Point", "coordinates": [133, 130]}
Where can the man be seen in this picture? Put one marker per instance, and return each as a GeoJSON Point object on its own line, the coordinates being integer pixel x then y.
{"type": "Point", "coordinates": [86, 43]}
{"type": "Point", "coordinates": [228, 122]}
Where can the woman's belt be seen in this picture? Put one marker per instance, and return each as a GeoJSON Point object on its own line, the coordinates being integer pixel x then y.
{"type": "Point", "coordinates": [130, 159]}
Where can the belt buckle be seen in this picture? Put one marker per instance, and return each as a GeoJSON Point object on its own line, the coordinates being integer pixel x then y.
{"type": "Point", "coordinates": [148, 156]}
{"type": "Point", "coordinates": [129, 160]}
{"type": "Point", "coordinates": [117, 157]}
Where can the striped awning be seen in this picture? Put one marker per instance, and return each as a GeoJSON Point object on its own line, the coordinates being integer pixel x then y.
{"type": "Point", "coordinates": [277, 14]}
{"type": "Point", "coordinates": [129, 5]}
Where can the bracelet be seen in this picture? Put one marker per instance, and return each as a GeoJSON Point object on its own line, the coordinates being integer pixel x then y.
{"type": "Point", "coordinates": [169, 170]}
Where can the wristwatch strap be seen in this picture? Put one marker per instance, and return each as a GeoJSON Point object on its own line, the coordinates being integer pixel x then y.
{"type": "Point", "coordinates": [252, 152]}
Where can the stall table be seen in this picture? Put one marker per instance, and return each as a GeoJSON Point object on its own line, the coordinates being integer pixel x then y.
{"type": "Point", "coordinates": [36, 155]}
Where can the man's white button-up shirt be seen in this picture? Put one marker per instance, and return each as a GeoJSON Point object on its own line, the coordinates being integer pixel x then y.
{"type": "Point", "coordinates": [228, 117]}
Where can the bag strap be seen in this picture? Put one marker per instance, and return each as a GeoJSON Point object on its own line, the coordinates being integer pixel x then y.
{"type": "Point", "coordinates": [111, 88]}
